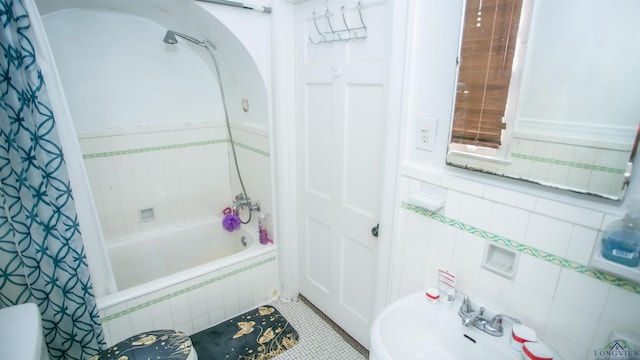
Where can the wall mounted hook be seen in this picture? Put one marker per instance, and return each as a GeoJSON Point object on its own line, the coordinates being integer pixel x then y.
{"type": "Point", "coordinates": [345, 33]}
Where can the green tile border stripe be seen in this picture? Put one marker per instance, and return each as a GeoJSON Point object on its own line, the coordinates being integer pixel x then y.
{"type": "Point", "coordinates": [525, 249]}
{"type": "Point", "coordinates": [186, 290]}
{"type": "Point", "coordinates": [152, 148]}
{"type": "Point", "coordinates": [171, 147]}
{"type": "Point", "coordinates": [255, 150]}
{"type": "Point", "coordinates": [569, 163]}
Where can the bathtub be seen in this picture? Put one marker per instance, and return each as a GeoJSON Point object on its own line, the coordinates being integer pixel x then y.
{"type": "Point", "coordinates": [187, 278]}
{"type": "Point", "coordinates": [148, 257]}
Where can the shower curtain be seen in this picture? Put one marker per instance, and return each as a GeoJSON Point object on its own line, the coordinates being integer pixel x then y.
{"type": "Point", "coordinates": [42, 258]}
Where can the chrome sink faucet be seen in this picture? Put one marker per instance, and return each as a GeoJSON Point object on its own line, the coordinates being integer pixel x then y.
{"type": "Point", "coordinates": [466, 312]}
{"type": "Point", "coordinates": [471, 317]}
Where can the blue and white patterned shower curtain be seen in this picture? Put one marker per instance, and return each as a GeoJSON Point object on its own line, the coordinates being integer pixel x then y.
{"type": "Point", "coordinates": [42, 257]}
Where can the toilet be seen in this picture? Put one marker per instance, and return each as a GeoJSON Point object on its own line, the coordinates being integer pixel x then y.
{"type": "Point", "coordinates": [21, 333]}
{"type": "Point", "coordinates": [21, 339]}
{"type": "Point", "coordinates": [155, 344]}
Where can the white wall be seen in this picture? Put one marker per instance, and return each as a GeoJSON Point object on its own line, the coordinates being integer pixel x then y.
{"type": "Point", "coordinates": [241, 76]}
{"type": "Point", "coordinates": [569, 74]}
{"type": "Point", "coordinates": [572, 308]}
{"type": "Point", "coordinates": [117, 72]}
{"type": "Point", "coordinates": [252, 28]}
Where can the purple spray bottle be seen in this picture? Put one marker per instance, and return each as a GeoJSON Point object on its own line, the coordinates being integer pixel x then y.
{"type": "Point", "coordinates": [262, 229]}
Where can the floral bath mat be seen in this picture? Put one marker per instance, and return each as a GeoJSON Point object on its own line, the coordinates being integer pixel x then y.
{"type": "Point", "coordinates": [258, 334]}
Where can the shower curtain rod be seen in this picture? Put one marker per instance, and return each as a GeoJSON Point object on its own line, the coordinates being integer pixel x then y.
{"type": "Point", "coordinates": [262, 9]}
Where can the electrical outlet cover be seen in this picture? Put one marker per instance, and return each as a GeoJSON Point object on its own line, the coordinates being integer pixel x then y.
{"type": "Point", "coordinates": [426, 133]}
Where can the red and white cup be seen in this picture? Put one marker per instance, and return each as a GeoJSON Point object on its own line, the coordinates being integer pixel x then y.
{"type": "Point", "coordinates": [433, 295]}
{"type": "Point", "coordinates": [536, 351]}
{"type": "Point", "coordinates": [521, 334]}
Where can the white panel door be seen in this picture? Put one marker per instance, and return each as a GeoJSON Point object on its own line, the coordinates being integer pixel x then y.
{"type": "Point", "coordinates": [341, 107]}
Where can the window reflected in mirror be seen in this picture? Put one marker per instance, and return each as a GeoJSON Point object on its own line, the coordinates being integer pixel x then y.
{"type": "Point", "coordinates": [545, 92]}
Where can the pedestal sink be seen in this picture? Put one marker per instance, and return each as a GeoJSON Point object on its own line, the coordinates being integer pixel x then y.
{"type": "Point", "coordinates": [412, 328]}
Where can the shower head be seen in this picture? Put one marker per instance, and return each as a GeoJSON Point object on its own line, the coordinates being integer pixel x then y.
{"type": "Point", "coordinates": [171, 37]}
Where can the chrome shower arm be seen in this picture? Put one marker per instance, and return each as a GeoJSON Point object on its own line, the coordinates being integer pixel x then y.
{"type": "Point", "coordinates": [170, 38]}
{"type": "Point", "coordinates": [262, 9]}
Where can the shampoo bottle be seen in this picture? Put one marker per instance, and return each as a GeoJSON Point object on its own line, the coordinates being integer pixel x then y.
{"type": "Point", "coordinates": [262, 229]}
{"type": "Point", "coordinates": [621, 240]}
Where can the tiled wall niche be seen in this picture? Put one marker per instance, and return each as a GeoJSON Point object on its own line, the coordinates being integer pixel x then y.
{"type": "Point", "coordinates": [571, 306]}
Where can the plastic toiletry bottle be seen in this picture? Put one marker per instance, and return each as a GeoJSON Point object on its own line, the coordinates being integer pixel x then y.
{"type": "Point", "coordinates": [262, 229]}
{"type": "Point", "coordinates": [621, 240]}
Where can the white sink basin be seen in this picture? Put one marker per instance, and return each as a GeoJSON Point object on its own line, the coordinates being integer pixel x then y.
{"type": "Point", "coordinates": [411, 328]}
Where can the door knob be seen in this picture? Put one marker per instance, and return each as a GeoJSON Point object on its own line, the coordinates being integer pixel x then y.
{"type": "Point", "coordinates": [374, 230]}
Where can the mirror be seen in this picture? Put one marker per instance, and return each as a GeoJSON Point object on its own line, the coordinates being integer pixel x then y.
{"type": "Point", "coordinates": [569, 112]}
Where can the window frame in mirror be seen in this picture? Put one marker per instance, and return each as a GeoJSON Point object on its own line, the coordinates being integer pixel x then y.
{"type": "Point", "coordinates": [494, 161]}
{"type": "Point", "coordinates": [500, 153]}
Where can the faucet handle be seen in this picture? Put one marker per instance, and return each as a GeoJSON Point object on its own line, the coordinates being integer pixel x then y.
{"type": "Point", "coordinates": [497, 320]}
{"type": "Point", "coordinates": [466, 303]}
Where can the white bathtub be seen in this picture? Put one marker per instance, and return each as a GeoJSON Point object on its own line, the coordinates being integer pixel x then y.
{"type": "Point", "coordinates": [151, 256]}
{"type": "Point", "coordinates": [170, 256]}
{"type": "Point", "coordinates": [186, 278]}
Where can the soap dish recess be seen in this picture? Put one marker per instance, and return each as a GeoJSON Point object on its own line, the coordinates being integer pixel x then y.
{"type": "Point", "coordinates": [500, 260]}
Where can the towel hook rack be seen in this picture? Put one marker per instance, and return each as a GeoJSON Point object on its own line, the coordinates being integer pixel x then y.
{"type": "Point", "coordinates": [344, 33]}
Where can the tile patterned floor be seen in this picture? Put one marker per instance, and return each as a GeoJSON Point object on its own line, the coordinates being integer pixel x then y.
{"type": "Point", "coordinates": [320, 338]}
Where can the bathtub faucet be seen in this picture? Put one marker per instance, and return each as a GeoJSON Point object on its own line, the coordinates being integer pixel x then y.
{"type": "Point", "coordinates": [242, 201]}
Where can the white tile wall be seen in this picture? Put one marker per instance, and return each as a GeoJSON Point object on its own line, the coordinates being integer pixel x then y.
{"type": "Point", "coordinates": [610, 155]}
{"type": "Point", "coordinates": [581, 244]}
{"type": "Point", "coordinates": [581, 292]}
{"type": "Point", "coordinates": [180, 184]}
{"type": "Point", "coordinates": [255, 167]}
{"type": "Point", "coordinates": [537, 275]}
{"type": "Point", "coordinates": [531, 304]}
{"type": "Point", "coordinates": [548, 234]}
{"type": "Point", "coordinates": [515, 228]}
{"type": "Point", "coordinates": [475, 211]}
{"type": "Point", "coordinates": [570, 311]}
